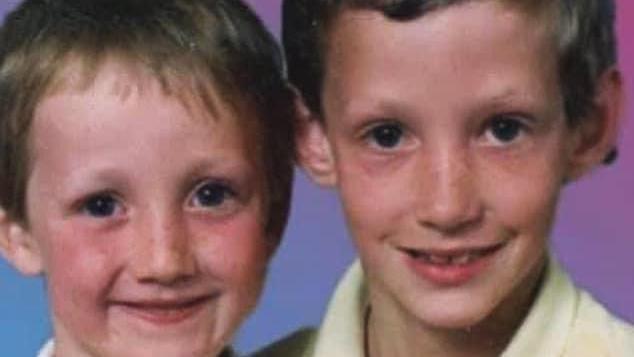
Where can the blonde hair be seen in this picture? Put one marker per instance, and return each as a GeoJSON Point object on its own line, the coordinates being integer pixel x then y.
{"type": "Point", "coordinates": [218, 43]}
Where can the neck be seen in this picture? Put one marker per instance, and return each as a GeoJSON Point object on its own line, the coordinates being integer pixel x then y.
{"type": "Point", "coordinates": [393, 333]}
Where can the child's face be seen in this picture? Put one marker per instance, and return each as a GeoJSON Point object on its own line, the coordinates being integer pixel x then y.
{"type": "Point", "coordinates": [148, 216]}
{"type": "Point", "coordinates": [449, 146]}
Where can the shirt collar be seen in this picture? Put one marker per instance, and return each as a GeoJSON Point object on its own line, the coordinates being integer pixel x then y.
{"type": "Point", "coordinates": [544, 331]}
{"type": "Point", "coordinates": [48, 349]}
{"type": "Point", "coordinates": [547, 326]}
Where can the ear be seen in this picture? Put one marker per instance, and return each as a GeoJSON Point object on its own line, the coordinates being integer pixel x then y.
{"type": "Point", "coordinates": [18, 247]}
{"type": "Point", "coordinates": [595, 136]}
{"type": "Point", "coordinates": [314, 149]}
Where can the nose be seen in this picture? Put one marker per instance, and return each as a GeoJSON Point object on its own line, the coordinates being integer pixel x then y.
{"type": "Point", "coordinates": [163, 251]}
{"type": "Point", "coordinates": [451, 201]}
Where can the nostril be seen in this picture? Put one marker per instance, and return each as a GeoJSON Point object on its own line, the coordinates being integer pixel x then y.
{"type": "Point", "coordinates": [165, 263]}
{"type": "Point", "coordinates": [451, 217]}
{"type": "Point", "coordinates": [449, 200]}
{"type": "Point", "coordinates": [163, 248]}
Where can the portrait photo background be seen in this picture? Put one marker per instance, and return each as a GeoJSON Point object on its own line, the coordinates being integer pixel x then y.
{"type": "Point", "coordinates": [593, 239]}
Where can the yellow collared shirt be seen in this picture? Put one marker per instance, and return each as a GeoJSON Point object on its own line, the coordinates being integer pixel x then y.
{"type": "Point", "coordinates": [563, 322]}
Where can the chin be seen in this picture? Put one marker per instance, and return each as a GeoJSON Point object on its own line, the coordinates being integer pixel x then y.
{"type": "Point", "coordinates": [165, 349]}
{"type": "Point", "coordinates": [454, 312]}
{"type": "Point", "coordinates": [458, 320]}
{"type": "Point", "coordinates": [152, 345]}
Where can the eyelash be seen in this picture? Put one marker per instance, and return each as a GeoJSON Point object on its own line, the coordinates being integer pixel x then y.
{"type": "Point", "coordinates": [515, 125]}
{"type": "Point", "coordinates": [393, 131]}
{"type": "Point", "coordinates": [220, 196]}
{"type": "Point", "coordinates": [104, 205]}
{"type": "Point", "coordinates": [511, 128]}
{"type": "Point", "coordinates": [100, 205]}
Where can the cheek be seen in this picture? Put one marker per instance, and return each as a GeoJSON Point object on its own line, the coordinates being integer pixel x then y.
{"type": "Point", "coordinates": [374, 200]}
{"type": "Point", "coordinates": [526, 199]}
{"type": "Point", "coordinates": [238, 253]}
{"type": "Point", "coordinates": [79, 273]}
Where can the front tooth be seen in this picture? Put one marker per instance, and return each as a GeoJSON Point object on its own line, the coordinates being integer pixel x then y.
{"type": "Point", "coordinates": [438, 259]}
{"type": "Point", "coordinates": [462, 259]}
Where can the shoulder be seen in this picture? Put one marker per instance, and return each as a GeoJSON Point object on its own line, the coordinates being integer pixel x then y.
{"type": "Point", "coordinates": [47, 349]}
{"type": "Point", "coordinates": [597, 332]}
{"type": "Point", "coordinates": [566, 321]}
{"type": "Point", "coordinates": [341, 331]}
{"type": "Point", "coordinates": [297, 344]}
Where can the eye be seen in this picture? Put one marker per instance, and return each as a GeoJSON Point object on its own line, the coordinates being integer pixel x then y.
{"type": "Point", "coordinates": [504, 129]}
{"type": "Point", "coordinates": [101, 205]}
{"type": "Point", "coordinates": [386, 136]}
{"type": "Point", "coordinates": [212, 195]}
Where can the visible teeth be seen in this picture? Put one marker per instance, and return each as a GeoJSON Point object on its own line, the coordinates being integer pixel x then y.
{"type": "Point", "coordinates": [438, 259]}
{"type": "Point", "coordinates": [462, 259]}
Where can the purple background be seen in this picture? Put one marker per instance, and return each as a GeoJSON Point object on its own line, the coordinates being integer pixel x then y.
{"type": "Point", "coordinates": [593, 239]}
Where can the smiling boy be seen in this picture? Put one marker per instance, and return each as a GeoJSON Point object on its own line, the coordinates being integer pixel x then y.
{"type": "Point", "coordinates": [146, 163]}
{"type": "Point", "coordinates": [448, 129]}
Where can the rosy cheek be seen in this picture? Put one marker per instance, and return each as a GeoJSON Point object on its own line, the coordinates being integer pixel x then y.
{"type": "Point", "coordinates": [78, 273]}
{"type": "Point", "coordinates": [527, 204]}
{"type": "Point", "coordinates": [360, 194]}
{"type": "Point", "coordinates": [238, 254]}
{"type": "Point", "coordinates": [234, 249]}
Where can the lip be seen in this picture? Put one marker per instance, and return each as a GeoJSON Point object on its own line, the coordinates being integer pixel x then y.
{"type": "Point", "coordinates": [164, 312]}
{"type": "Point", "coordinates": [450, 267]}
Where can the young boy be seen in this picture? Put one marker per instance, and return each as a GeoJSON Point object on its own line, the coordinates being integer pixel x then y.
{"type": "Point", "coordinates": [145, 169]}
{"type": "Point", "coordinates": [449, 129]}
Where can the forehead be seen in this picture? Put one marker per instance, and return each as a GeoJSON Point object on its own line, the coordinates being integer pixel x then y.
{"type": "Point", "coordinates": [120, 117]}
{"type": "Point", "coordinates": [537, 15]}
{"type": "Point", "coordinates": [122, 100]}
{"type": "Point", "coordinates": [493, 48]}
{"type": "Point", "coordinates": [123, 84]}
{"type": "Point", "coordinates": [122, 75]}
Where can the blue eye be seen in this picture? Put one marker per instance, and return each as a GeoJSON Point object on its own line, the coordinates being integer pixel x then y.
{"type": "Point", "coordinates": [212, 194]}
{"type": "Point", "coordinates": [505, 129]}
{"type": "Point", "coordinates": [386, 136]}
{"type": "Point", "coordinates": [100, 206]}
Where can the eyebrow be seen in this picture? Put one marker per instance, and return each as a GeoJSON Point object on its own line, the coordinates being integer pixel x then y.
{"type": "Point", "coordinates": [511, 96]}
{"type": "Point", "coordinates": [375, 104]}
{"type": "Point", "coordinates": [506, 95]}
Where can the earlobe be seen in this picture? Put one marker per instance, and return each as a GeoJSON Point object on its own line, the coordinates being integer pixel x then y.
{"type": "Point", "coordinates": [18, 247]}
{"type": "Point", "coordinates": [595, 136]}
{"type": "Point", "coordinates": [314, 150]}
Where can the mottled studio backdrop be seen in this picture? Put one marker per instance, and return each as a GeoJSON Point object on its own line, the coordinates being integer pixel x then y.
{"type": "Point", "coordinates": [594, 239]}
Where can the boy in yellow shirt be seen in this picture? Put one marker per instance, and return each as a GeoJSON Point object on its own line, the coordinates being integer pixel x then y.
{"type": "Point", "coordinates": [449, 129]}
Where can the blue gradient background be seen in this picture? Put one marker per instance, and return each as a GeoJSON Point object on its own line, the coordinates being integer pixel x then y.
{"type": "Point", "coordinates": [593, 239]}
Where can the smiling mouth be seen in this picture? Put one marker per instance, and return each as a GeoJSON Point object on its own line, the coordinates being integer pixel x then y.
{"type": "Point", "coordinates": [165, 312]}
{"type": "Point", "coordinates": [450, 267]}
{"type": "Point", "coordinates": [451, 258]}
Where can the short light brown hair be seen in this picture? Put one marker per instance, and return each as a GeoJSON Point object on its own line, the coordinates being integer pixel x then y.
{"type": "Point", "coordinates": [218, 43]}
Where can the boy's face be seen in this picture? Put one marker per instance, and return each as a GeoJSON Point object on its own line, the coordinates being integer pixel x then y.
{"type": "Point", "coordinates": [148, 216]}
{"type": "Point", "coordinates": [449, 145]}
